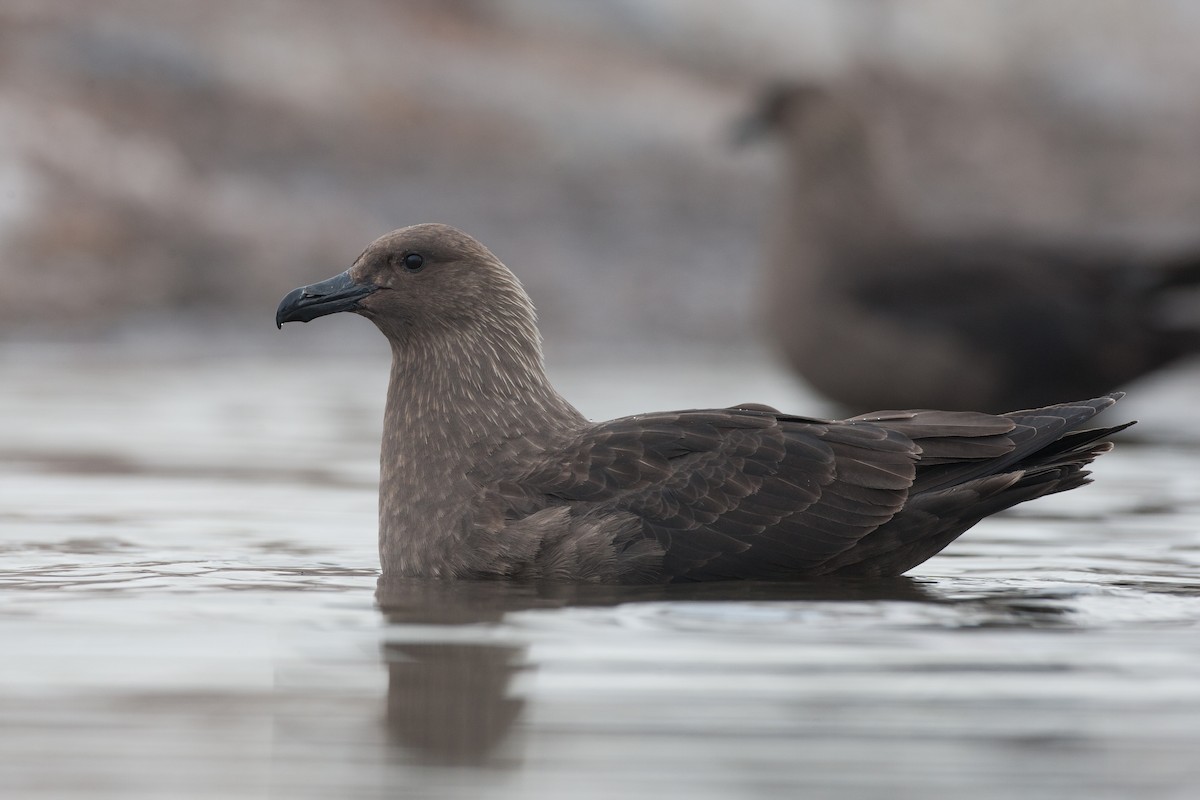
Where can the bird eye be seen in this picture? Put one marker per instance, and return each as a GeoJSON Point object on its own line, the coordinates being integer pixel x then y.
{"type": "Point", "coordinates": [413, 262]}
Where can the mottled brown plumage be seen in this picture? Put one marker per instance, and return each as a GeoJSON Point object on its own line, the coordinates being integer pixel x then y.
{"type": "Point", "coordinates": [487, 472]}
{"type": "Point", "coordinates": [874, 312]}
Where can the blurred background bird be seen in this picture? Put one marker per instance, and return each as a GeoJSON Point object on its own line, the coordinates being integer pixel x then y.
{"type": "Point", "coordinates": [875, 312]}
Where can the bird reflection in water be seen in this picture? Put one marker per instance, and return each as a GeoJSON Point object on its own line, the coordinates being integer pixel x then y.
{"type": "Point", "coordinates": [450, 704]}
{"type": "Point", "coordinates": [451, 700]}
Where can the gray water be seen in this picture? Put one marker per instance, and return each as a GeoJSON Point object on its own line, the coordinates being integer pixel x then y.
{"type": "Point", "coordinates": [189, 608]}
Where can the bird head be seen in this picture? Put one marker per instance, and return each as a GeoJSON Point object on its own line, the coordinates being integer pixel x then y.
{"type": "Point", "coordinates": [423, 281]}
{"type": "Point", "coordinates": [814, 117]}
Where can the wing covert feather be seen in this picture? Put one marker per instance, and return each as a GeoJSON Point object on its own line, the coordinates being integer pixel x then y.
{"type": "Point", "coordinates": [733, 493]}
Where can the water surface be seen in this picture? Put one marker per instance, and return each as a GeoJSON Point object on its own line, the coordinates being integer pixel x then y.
{"type": "Point", "coordinates": [189, 608]}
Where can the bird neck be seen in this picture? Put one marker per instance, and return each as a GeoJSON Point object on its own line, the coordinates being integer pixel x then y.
{"type": "Point", "coordinates": [838, 197]}
{"type": "Point", "coordinates": [462, 390]}
{"type": "Point", "coordinates": [834, 216]}
{"type": "Point", "coordinates": [451, 402]}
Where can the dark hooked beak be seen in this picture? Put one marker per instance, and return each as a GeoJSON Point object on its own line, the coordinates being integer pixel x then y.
{"type": "Point", "coordinates": [339, 293]}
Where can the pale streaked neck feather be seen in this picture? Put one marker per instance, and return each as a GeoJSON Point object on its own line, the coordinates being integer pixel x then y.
{"type": "Point", "coordinates": [454, 397]}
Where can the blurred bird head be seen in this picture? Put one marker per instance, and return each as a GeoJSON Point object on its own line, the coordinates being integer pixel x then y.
{"type": "Point", "coordinates": [811, 117]}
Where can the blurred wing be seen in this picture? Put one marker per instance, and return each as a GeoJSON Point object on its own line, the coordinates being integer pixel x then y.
{"type": "Point", "coordinates": [1007, 302]}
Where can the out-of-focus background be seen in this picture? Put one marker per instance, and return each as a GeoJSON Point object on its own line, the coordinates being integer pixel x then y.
{"type": "Point", "coordinates": [187, 496]}
{"type": "Point", "coordinates": [168, 163]}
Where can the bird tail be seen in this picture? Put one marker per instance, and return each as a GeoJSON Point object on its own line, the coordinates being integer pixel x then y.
{"type": "Point", "coordinates": [1048, 456]}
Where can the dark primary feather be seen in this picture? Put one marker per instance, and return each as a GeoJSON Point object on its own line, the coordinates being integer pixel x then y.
{"type": "Point", "coordinates": [747, 493]}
